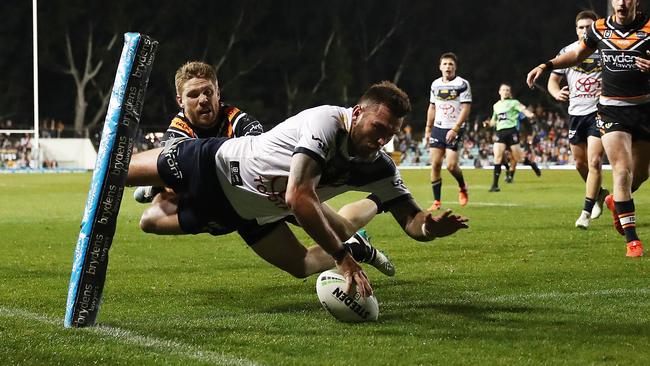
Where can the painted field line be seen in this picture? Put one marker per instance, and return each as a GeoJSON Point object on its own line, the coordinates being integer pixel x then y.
{"type": "Point", "coordinates": [128, 337]}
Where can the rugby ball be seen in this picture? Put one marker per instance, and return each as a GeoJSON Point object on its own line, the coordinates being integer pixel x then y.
{"type": "Point", "coordinates": [347, 308]}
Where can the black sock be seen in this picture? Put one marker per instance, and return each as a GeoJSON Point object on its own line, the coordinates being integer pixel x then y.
{"type": "Point", "coordinates": [497, 173]}
{"type": "Point", "coordinates": [589, 204]}
{"type": "Point", "coordinates": [458, 175]}
{"type": "Point", "coordinates": [359, 250]}
{"type": "Point", "coordinates": [626, 216]}
{"type": "Point", "coordinates": [436, 187]}
{"type": "Point", "coordinates": [506, 165]}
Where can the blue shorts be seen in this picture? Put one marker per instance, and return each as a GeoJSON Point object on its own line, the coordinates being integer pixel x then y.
{"type": "Point", "coordinates": [438, 139]}
{"type": "Point", "coordinates": [188, 167]}
{"type": "Point", "coordinates": [581, 127]}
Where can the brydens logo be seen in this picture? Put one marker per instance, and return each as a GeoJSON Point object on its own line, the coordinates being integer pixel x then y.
{"type": "Point", "coordinates": [619, 60]}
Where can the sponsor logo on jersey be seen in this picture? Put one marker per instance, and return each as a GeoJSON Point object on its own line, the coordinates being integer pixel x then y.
{"type": "Point", "coordinates": [321, 144]}
{"type": "Point", "coordinates": [641, 34]}
{"type": "Point", "coordinates": [587, 86]}
{"type": "Point", "coordinates": [619, 60]}
{"type": "Point", "coordinates": [608, 33]}
{"type": "Point", "coordinates": [448, 110]}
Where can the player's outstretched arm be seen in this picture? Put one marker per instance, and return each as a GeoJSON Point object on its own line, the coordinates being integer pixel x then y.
{"type": "Point", "coordinates": [562, 61]}
{"type": "Point", "coordinates": [423, 226]}
{"type": "Point", "coordinates": [304, 175]}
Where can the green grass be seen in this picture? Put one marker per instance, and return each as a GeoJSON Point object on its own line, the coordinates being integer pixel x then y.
{"type": "Point", "coordinates": [522, 286]}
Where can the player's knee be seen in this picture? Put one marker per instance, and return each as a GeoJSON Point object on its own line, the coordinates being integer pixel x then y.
{"type": "Point", "coordinates": [148, 223]}
{"type": "Point", "coordinates": [595, 163]}
{"type": "Point", "coordinates": [452, 167]}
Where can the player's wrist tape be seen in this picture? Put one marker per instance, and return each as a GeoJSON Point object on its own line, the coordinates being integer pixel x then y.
{"type": "Point", "coordinates": [340, 254]}
{"type": "Point", "coordinates": [548, 65]}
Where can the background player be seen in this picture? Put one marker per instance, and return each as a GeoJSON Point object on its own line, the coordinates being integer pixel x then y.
{"type": "Point", "coordinates": [624, 104]}
{"type": "Point", "coordinates": [505, 116]}
{"type": "Point", "coordinates": [582, 91]}
{"type": "Point", "coordinates": [449, 107]}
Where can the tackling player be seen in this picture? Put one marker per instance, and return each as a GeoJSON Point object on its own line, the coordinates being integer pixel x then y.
{"type": "Point", "coordinates": [582, 91]}
{"type": "Point", "coordinates": [449, 107]}
{"type": "Point", "coordinates": [505, 116]}
{"type": "Point", "coordinates": [204, 115]}
{"type": "Point", "coordinates": [253, 183]}
{"type": "Point", "coordinates": [624, 105]}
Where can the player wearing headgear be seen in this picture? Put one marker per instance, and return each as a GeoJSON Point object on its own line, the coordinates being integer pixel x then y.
{"type": "Point", "coordinates": [449, 106]}
{"type": "Point", "coordinates": [624, 105]}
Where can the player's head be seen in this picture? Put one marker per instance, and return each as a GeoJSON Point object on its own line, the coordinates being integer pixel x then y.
{"type": "Point", "coordinates": [505, 91]}
{"type": "Point", "coordinates": [583, 22]}
{"type": "Point", "coordinates": [448, 65]}
{"type": "Point", "coordinates": [197, 93]}
{"type": "Point", "coordinates": [377, 117]}
{"type": "Point", "coordinates": [625, 10]}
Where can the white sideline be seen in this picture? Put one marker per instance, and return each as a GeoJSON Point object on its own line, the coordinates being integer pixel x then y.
{"type": "Point", "coordinates": [126, 336]}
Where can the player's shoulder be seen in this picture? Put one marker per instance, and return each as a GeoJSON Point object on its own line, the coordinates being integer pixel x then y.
{"type": "Point", "coordinates": [230, 112]}
{"type": "Point", "coordinates": [437, 82]}
{"type": "Point", "coordinates": [180, 123]}
{"type": "Point", "coordinates": [326, 113]}
{"type": "Point", "coordinates": [571, 46]}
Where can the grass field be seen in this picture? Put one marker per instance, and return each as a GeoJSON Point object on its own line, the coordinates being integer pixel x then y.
{"type": "Point", "coordinates": [522, 286]}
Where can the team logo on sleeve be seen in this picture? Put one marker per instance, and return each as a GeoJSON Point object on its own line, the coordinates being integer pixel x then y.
{"type": "Point", "coordinates": [321, 144]}
{"type": "Point", "coordinates": [235, 174]}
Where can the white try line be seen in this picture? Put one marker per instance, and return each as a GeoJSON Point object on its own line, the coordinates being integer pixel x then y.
{"type": "Point", "coordinates": [128, 337]}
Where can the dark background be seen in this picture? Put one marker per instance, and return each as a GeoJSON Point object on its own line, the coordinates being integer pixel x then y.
{"type": "Point", "coordinates": [273, 57]}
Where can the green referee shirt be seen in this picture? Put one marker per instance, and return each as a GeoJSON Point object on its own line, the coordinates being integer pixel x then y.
{"type": "Point", "coordinates": [506, 113]}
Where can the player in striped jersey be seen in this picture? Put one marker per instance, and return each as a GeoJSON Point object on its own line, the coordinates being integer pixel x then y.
{"type": "Point", "coordinates": [623, 41]}
{"type": "Point", "coordinates": [582, 91]}
{"type": "Point", "coordinates": [449, 107]}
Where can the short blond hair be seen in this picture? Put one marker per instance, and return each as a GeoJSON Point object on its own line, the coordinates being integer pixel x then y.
{"type": "Point", "coordinates": [193, 69]}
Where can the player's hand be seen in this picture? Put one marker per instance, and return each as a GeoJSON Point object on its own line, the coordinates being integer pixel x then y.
{"type": "Point", "coordinates": [562, 95]}
{"type": "Point", "coordinates": [643, 64]}
{"type": "Point", "coordinates": [354, 276]}
{"type": "Point", "coordinates": [451, 136]}
{"type": "Point", "coordinates": [533, 75]}
{"type": "Point", "coordinates": [444, 224]}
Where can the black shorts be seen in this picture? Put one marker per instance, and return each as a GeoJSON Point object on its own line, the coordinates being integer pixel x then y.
{"type": "Point", "coordinates": [438, 139]}
{"type": "Point", "coordinates": [634, 120]}
{"type": "Point", "coordinates": [508, 136]}
{"type": "Point", "coordinates": [581, 127]}
{"type": "Point", "coordinates": [188, 167]}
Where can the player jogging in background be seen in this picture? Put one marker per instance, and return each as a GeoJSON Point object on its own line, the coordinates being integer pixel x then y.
{"type": "Point", "coordinates": [623, 41]}
{"type": "Point", "coordinates": [505, 116]}
{"type": "Point", "coordinates": [449, 106]}
{"type": "Point", "coordinates": [582, 91]}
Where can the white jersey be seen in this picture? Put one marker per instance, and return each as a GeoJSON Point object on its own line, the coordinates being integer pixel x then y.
{"type": "Point", "coordinates": [253, 170]}
{"type": "Point", "coordinates": [584, 81]}
{"type": "Point", "coordinates": [448, 98]}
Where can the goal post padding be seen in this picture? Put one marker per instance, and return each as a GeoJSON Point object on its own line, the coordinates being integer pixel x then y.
{"type": "Point", "coordinates": [107, 185]}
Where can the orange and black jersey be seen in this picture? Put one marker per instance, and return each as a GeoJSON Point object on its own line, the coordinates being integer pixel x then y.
{"type": "Point", "coordinates": [232, 123]}
{"type": "Point", "coordinates": [623, 83]}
